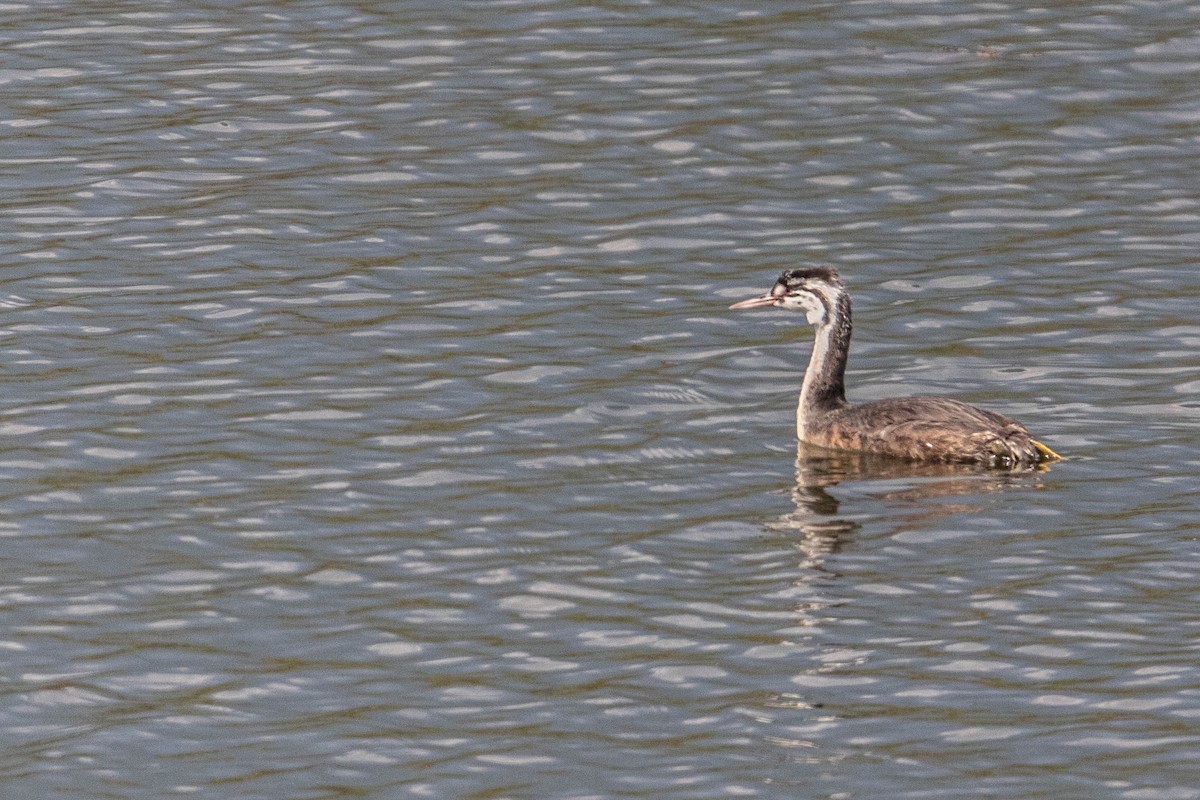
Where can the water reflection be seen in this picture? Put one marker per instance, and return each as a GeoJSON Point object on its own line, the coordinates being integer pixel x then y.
{"type": "Point", "coordinates": [837, 497]}
{"type": "Point", "coordinates": [916, 494]}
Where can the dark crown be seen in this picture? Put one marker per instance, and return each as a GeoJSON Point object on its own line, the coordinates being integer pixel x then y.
{"type": "Point", "coordinates": [796, 277]}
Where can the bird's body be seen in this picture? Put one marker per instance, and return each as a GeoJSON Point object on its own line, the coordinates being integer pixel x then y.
{"type": "Point", "coordinates": [926, 428]}
{"type": "Point", "coordinates": [920, 428]}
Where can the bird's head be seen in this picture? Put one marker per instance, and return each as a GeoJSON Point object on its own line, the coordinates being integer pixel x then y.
{"type": "Point", "coordinates": [814, 291]}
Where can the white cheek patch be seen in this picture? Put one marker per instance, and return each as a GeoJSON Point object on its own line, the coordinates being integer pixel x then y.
{"type": "Point", "coordinates": [814, 309]}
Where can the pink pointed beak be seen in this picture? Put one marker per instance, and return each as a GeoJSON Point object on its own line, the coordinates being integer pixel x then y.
{"type": "Point", "coordinates": [765, 301]}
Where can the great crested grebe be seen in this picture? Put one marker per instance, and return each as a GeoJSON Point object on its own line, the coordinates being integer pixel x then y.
{"type": "Point", "coordinates": [922, 428]}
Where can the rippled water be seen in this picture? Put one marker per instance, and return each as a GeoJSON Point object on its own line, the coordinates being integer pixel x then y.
{"type": "Point", "coordinates": [375, 425]}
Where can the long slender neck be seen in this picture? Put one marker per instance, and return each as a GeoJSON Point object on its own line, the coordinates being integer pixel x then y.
{"type": "Point", "coordinates": [824, 388]}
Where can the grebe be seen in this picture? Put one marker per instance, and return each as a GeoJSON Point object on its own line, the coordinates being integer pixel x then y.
{"type": "Point", "coordinates": [921, 428]}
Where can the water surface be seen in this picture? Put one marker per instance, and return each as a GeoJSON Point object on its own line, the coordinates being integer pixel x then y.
{"type": "Point", "coordinates": [375, 425]}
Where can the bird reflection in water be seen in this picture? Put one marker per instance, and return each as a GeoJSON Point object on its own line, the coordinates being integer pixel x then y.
{"type": "Point", "coordinates": [922, 493]}
{"type": "Point", "coordinates": [836, 495]}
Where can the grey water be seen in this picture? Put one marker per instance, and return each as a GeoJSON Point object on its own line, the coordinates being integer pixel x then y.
{"type": "Point", "coordinates": [374, 424]}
